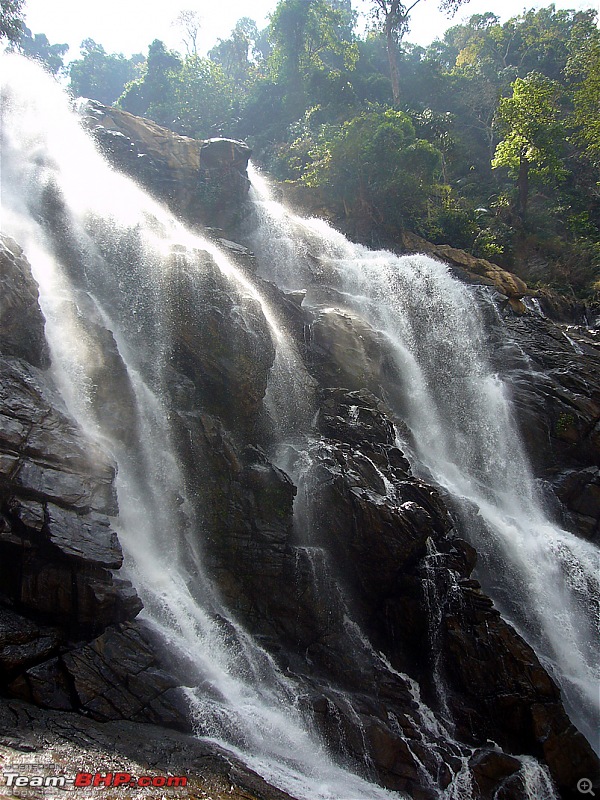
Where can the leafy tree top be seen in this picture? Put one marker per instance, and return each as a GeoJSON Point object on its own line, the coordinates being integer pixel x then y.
{"type": "Point", "coordinates": [11, 19]}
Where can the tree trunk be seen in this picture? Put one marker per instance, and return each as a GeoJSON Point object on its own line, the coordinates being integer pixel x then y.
{"type": "Point", "coordinates": [523, 186]}
{"type": "Point", "coordinates": [392, 51]}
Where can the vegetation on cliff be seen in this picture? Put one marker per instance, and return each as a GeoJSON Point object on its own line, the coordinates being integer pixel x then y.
{"type": "Point", "coordinates": [487, 140]}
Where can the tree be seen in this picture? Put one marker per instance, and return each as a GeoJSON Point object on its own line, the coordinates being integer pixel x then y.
{"type": "Point", "coordinates": [100, 75]}
{"type": "Point", "coordinates": [394, 16]}
{"type": "Point", "coordinates": [201, 98]}
{"type": "Point", "coordinates": [584, 68]}
{"type": "Point", "coordinates": [376, 167]}
{"type": "Point", "coordinates": [307, 35]}
{"type": "Point", "coordinates": [152, 94]}
{"type": "Point", "coordinates": [532, 133]}
{"type": "Point", "coordinates": [11, 19]}
{"type": "Point", "coordinates": [235, 54]}
{"type": "Point", "coordinates": [189, 23]}
{"type": "Point", "coordinates": [38, 47]}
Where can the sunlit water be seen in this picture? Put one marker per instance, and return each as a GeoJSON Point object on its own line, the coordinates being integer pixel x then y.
{"type": "Point", "coordinates": [462, 432]}
{"type": "Point", "coordinates": [100, 250]}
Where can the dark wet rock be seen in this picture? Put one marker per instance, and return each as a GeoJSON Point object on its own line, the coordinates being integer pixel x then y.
{"type": "Point", "coordinates": [87, 538]}
{"type": "Point", "coordinates": [579, 491]}
{"type": "Point", "coordinates": [221, 341]}
{"type": "Point", "coordinates": [490, 769]}
{"type": "Point", "coordinates": [46, 455]}
{"type": "Point", "coordinates": [21, 320]}
{"type": "Point", "coordinates": [23, 642]}
{"type": "Point", "coordinates": [203, 180]}
{"type": "Point", "coordinates": [116, 676]}
{"type": "Point", "coordinates": [65, 743]}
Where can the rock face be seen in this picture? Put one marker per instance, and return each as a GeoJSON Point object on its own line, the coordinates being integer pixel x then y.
{"type": "Point", "coordinates": [344, 565]}
{"type": "Point", "coordinates": [19, 302]}
{"type": "Point", "coordinates": [203, 181]}
{"type": "Point", "coordinates": [557, 397]}
{"type": "Point", "coordinates": [62, 644]}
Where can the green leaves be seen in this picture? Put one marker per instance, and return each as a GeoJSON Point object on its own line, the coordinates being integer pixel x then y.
{"type": "Point", "coordinates": [375, 164]}
{"type": "Point", "coordinates": [11, 19]}
{"type": "Point", "coordinates": [534, 133]}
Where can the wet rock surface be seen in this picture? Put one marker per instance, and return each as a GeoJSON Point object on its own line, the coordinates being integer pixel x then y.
{"type": "Point", "coordinates": [204, 181]}
{"type": "Point", "coordinates": [369, 603]}
{"type": "Point", "coordinates": [555, 385]}
{"type": "Point", "coordinates": [54, 744]}
{"type": "Point", "coordinates": [22, 330]}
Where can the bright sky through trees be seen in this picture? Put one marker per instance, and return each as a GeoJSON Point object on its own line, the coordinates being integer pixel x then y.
{"type": "Point", "coordinates": [130, 26]}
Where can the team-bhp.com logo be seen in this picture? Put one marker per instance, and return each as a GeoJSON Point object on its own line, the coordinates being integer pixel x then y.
{"type": "Point", "coordinates": [90, 779]}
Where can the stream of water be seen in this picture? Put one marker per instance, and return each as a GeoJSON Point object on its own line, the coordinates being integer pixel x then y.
{"type": "Point", "coordinates": [463, 434]}
{"type": "Point", "coordinates": [101, 250]}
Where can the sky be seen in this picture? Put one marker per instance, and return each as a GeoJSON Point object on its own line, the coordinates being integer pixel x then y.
{"type": "Point", "coordinates": [128, 26]}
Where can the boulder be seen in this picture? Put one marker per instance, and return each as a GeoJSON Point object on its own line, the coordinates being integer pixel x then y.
{"type": "Point", "coordinates": [21, 320]}
{"type": "Point", "coordinates": [471, 269]}
{"type": "Point", "coordinates": [204, 181]}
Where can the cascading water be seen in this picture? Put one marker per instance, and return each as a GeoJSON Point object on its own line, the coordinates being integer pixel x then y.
{"type": "Point", "coordinates": [461, 431]}
{"type": "Point", "coordinates": [80, 224]}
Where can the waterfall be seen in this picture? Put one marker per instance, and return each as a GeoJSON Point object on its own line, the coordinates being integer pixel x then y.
{"type": "Point", "coordinates": [107, 258]}
{"type": "Point", "coordinates": [101, 250]}
{"type": "Point", "coordinates": [461, 429]}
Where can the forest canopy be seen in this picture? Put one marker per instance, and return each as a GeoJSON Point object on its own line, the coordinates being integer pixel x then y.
{"type": "Point", "coordinates": [488, 139]}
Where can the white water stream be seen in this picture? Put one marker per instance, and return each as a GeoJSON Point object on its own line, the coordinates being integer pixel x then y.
{"type": "Point", "coordinates": [109, 230]}
{"type": "Point", "coordinates": [462, 433]}
{"type": "Point", "coordinates": [237, 695]}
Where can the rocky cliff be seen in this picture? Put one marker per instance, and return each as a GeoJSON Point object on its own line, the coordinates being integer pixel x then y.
{"type": "Point", "coordinates": [385, 549]}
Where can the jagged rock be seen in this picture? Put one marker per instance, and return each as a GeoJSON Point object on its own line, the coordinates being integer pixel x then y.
{"type": "Point", "coordinates": [116, 676]}
{"type": "Point", "coordinates": [490, 769]}
{"type": "Point", "coordinates": [376, 515]}
{"type": "Point", "coordinates": [221, 341]}
{"type": "Point", "coordinates": [89, 539]}
{"type": "Point", "coordinates": [47, 457]}
{"type": "Point", "coordinates": [472, 269]}
{"type": "Point", "coordinates": [76, 596]}
{"type": "Point", "coordinates": [203, 180]}
{"type": "Point", "coordinates": [21, 320]}
{"type": "Point", "coordinates": [23, 642]}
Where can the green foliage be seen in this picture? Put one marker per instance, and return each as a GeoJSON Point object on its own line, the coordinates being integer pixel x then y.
{"type": "Point", "coordinates": [152, 94]}
{"type": "Point", "coordinates": [307, 36]}
{"type": "Point", "coordinates": [584, 67]}
{"type": "Point", "coordinates": [38, 47]}
{"type": "Point", "coordinates": [238, 54]}
{"type": "Point", "coordinates": [201, 98]}
{"type": "Point", "coordinates": [375, 165]}
{"type": "Point", "coordinates": [100, 75]}
{"type": "Point", "coordinates": [11, 19]}
{"type": "Point", "coordinates": [533, 133]}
